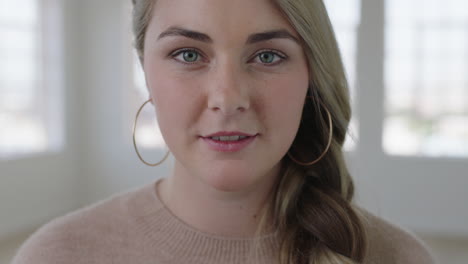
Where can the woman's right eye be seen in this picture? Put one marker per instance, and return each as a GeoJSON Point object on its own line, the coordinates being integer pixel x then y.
{"type": "Point", "coordinates": [187, 56]}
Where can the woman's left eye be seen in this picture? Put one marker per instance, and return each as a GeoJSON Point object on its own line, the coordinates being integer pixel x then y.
{"type": "Point", "coordinates": [270, 57]}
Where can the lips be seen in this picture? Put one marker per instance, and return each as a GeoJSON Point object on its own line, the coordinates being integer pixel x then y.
{"type": "Point", "coordinates": [229, 141]}
{"type": "Point", "coordinates": [229, 138]}
{"type": "Point", "coordinates": [226, 134]}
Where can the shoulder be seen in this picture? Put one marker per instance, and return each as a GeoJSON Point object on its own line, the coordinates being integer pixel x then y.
{"type": "Point", "coordinates": [92, 232]}
{"type": "Point", "coordinates": [389, 243]}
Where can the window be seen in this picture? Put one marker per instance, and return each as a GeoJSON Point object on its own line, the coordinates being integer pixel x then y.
{"type": "Point", "coordinates": [29, 116]}
{"type": "Point", "coordinates": [426, 78]}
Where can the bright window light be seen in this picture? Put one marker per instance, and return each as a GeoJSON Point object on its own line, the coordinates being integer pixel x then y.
{"type": "Point", "coordinates": [27, 115]}
{"type": "Point", "coordinates": [426, 78]}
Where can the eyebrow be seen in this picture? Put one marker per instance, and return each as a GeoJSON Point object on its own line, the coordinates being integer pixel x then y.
{"type": "Point", "coordinates": [253, 38]}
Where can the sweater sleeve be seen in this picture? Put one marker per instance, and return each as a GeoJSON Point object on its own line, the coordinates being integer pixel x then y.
{"type": "Point", "coordinates": [389, 243]}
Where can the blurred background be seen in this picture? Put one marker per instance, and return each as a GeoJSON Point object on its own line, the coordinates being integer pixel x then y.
{"type": "Point", "coordinates": [70, 86]}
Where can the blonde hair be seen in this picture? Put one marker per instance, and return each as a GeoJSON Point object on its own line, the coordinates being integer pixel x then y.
{"type": "Point", "coordinates": [311, 206]}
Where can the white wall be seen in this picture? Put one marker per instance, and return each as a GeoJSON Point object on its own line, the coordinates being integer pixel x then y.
{"type": "Point", "coordinates": [425, 195]}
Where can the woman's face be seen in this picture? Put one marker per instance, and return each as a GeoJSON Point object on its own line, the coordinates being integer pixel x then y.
{"type": "Point", "coordinates": [225, 68]}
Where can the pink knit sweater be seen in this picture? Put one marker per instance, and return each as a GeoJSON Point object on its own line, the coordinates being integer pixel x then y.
{"type": "Point", "coordinates": [136, 228]}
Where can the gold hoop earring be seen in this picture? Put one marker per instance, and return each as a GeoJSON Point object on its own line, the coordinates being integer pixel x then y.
{"type": "Point", "coordinates": [330, 137]}
{"type": "Point", "coordinates": [134, 141]}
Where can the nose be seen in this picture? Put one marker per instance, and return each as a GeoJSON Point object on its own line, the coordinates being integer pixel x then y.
{"type": "Point", "coordinates": [228, 91]}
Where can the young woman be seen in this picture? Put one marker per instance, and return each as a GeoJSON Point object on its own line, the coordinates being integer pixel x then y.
{"type": "Point", "coordinates": [252, 101]}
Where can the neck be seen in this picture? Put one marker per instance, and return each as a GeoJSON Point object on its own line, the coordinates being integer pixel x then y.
{"type": "Point", "coordinates": [233, 214]}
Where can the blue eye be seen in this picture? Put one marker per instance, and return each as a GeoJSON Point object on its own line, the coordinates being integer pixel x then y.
{"type": "Point", "coordinates": [189, 56]}
{"type": "Point", "coordinates": [270, 57]}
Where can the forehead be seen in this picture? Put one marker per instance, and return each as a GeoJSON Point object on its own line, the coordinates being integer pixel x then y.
{"type": "Point", "coordinates": [228, 19]}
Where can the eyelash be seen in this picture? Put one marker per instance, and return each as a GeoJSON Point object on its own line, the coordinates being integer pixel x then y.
{"type": "Point", "coordinates": [282, 56]}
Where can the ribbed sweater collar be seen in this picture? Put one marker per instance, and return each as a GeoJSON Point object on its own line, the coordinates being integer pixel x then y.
{"type": "Point", "coordinates": [181, 243]}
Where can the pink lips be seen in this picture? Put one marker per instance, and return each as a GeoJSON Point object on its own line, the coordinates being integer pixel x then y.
{"type": "Point", "coordinates": [228, 146]}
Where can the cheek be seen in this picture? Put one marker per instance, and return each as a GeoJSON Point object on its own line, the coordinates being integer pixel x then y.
{"type": "Point", "coordinates": [171, 105]}
{"type": "Point", "coordinates": [285, 104]}
{"type": "Point", "coordinates": [167, 87]}
{"type": "Point", "coordinates": [162, 88]}
{"type": "Point", "coordinates": [287, 96]}
{"type": "Point", "coordinates": [176, 106]}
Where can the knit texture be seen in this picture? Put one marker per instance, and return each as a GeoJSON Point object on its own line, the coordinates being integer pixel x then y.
{"type": "Point", "coordinates": [135, 227]}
